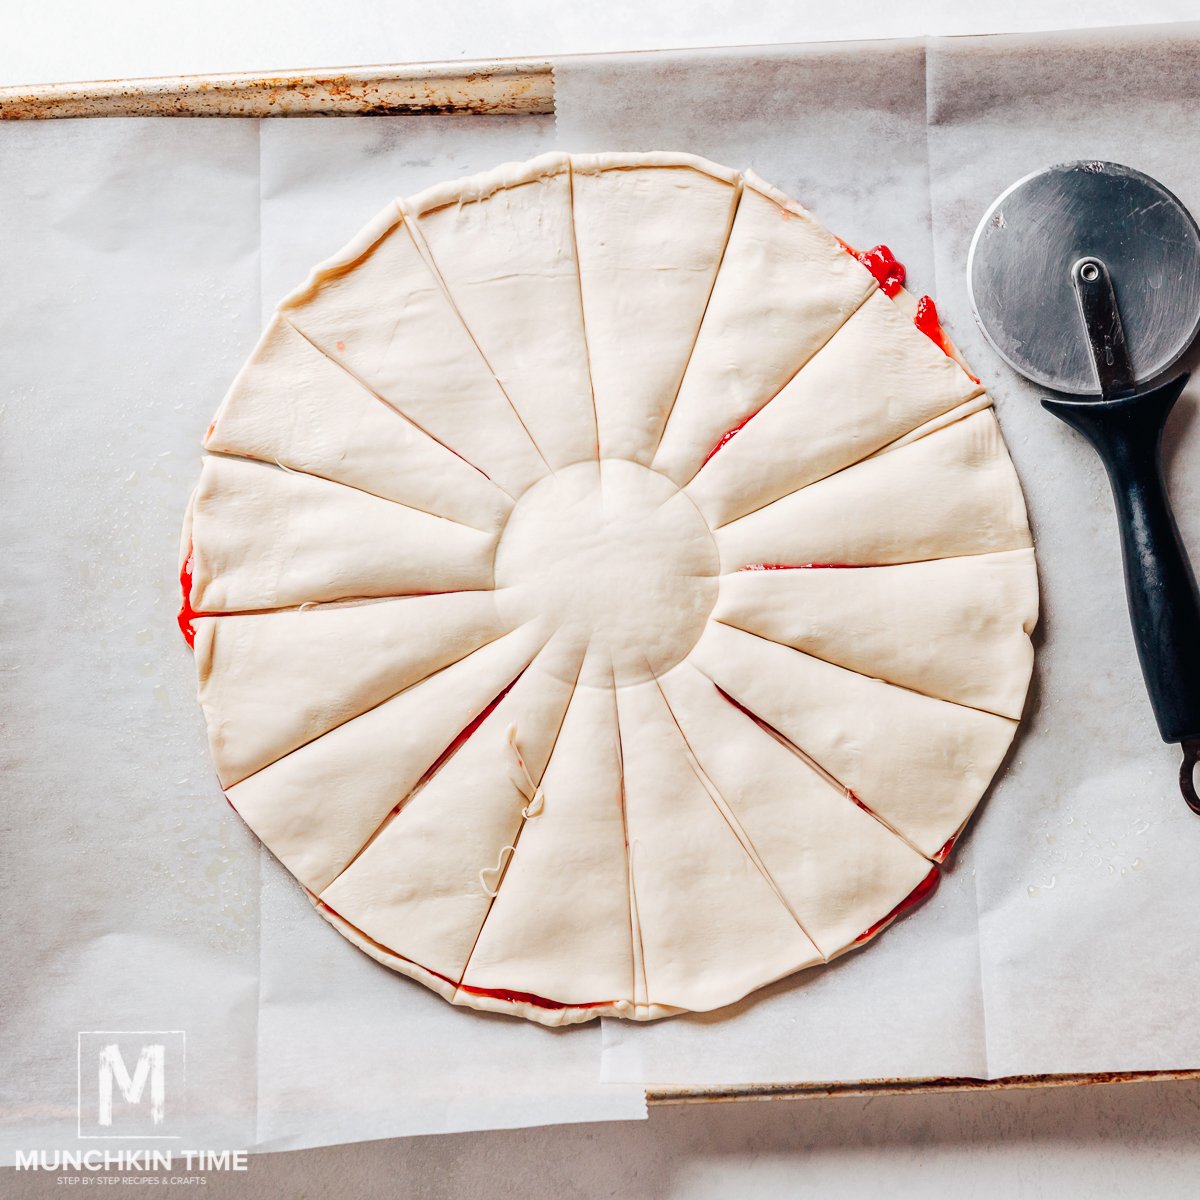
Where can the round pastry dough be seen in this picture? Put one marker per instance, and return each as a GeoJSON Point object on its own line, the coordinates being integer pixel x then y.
{"type": "Point", "coordinates": [605, 599]}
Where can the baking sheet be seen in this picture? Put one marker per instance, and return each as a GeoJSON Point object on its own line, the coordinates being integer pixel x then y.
{"type": "Point", "coordinates": [1064, 938]}
{"type": "Point", "coordinates": [137, 261]}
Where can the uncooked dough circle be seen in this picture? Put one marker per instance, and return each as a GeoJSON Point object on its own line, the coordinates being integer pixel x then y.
{"type": "Point", "coordinates": [616, 560]}
{"type": "Point", "coordinates": [606, 600]}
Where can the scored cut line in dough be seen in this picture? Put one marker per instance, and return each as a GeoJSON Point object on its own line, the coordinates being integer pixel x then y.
{"type": "Point", "coordinates": [920, 764]}
{"type": "Point", "coordinates": [877, 378]}
{"type": "Point", "coordinates": [834, 896]}
{"type": "Point", "coordinates": [646, 281]}
{"type": "Point", "coordinates": [265, 538]}
{"type": "Point", "coordinates": [505, 254]}
{"type": "Point", "coordinates": [294, 406]}
{"type": "Point", "coordinates": [382, 314]}
{"type": "Point", "coordinates": [255, 671]}
{"type": "Point", "coordinates": [781, 271]}
{"type": "Point", "coordinates": [952, 493]}
{"type": "Point", "coordinates": [882, 621]}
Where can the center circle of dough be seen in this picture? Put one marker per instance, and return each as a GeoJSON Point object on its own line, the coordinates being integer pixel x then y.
{"type": "Point", "coordinates": [613, 558]}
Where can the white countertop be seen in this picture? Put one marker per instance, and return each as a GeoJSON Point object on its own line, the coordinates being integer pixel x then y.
{"type": "Point", "coordinates": [1114, 1140]}
{"type": "Point", "coordinates": [60, 40]}
{"type": "Point", "coordinates": [1063, 1143]}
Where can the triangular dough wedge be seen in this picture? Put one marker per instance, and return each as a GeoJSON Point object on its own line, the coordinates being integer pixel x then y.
{"type": "Point", "coordinates": [560, 925]}
{"type": "Point", "coordinates": [503, 243]}
{"type": "Point", "coordinates": [416, 888]}
{"type": "Point", "coordinates": [959, 412]}
{"type": "Point", "coordinates": [711, 927]}
{"type": "Point", "coordinates": [919, 764]}
{"type": "Point", "coordinates": [978, 611]}
{"type": "Point", "coordinates": [876, 379]}
{"type": "Point", "coordinates": [839, 869]}
{"type": "Point", "coordinates": [651, 230]}
{"type": "Point", "coordinates": [378, 310]}
{"type": "Point", "coordinates": [271, 682]}
{"type": "Point", "coordinates": [953, 492]}
{"type": "Point", "coordinates": [266, 538]}
{"type": "Point", "coordinates": [784, 288]}
{"type": "Point", "coordinates": [292, 405]}
{"type": "Point", "coordinates": [318, 806]}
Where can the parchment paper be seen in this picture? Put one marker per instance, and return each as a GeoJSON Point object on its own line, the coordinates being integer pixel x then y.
{"type": "Point", "coordinates": [1065, 937]}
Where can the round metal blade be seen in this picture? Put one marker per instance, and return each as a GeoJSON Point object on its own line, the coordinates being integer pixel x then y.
{"type": "Point", "coordinates": [1019, 271]}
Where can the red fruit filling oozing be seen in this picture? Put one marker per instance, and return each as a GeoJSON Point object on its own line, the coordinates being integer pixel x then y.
{"type": "Point", "coordinates": [800, 566]}
{"type": "Point", "coordinates": [727, 436]}
{"type": "Point", "coordinates": [510, 997]}
{"type": "Point", "coordinates": [186, 612]}
{"type": "Point", "coordinates": [890, 275]}
{"type": "Point", "coordinates": [928, 323]}
{"type": "Point", "coordinates": [882, 263]}
{"type": "Point", "coordinates": [919, 893]}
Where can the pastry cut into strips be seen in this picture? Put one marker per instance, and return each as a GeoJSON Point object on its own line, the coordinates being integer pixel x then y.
{"type": "Point", "coordinates": [318, 806]}
{"type": "Point", "coordinates": [561, 925]}
{"type": "Point", "coordinates": [424, 885]}
{"type": "Point", "coordinates": [378, 310]}
{"type": "Point", "coordinates": [954, 628]}
{"type": "Point", "coordinates": [503, 244]}
{"type": "Point", "coordinates": [711, 924]}
{"type": "Point", "coordinates": [875, 380]}
{"type": "Point", "coordinates": [292, 406]}
{"type": "Point", "coordinates": [651, 231]}
{"type": "Point", "coordinates": [921, 765]}
{"type": "Point", "coordinates": [609, 592]}
{"type": "Point", "coordinates": [784, 289]}
{"type": "Point", "coordinates": [264, 538]}
{"type": "Point", "coordinates": [953, 492]}
{"type": "Point", "coordinates": [270, 682]}
{"type": "Point", "coordinates": [836, 866]}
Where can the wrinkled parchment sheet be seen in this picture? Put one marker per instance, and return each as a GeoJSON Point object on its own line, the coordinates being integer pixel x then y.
{"type": "Point", "coordinates": [1064, 938]}
{"type": "Point", "coordinates": [138, 259]}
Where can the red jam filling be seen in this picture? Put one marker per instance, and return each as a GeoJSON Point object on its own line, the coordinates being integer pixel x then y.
{"type": "Point", "coordinates": [853, 796]}
{"type": "Point", "coordinates": [928, 323]}
{"type": "Point", "coordinates": [727, 436]}
{"type": "Point", "coordinates": [919, 893]}
{"type": "Point", "coordinates": [944, 852]}
{"type": "Point", "coordinates": [882, 263]}
{"type": "Point", "coordinates": [186, 612]}
{"type": "Point", "coordinates": [527, 998]}
{"type": "Point", "coordinates": [468, 731]}
{"type": "Point", "coordinates": [800, 566]}
{"type": "Point", "coordinates": [890, 275]}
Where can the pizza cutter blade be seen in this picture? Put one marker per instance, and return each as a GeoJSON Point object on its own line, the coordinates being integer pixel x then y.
{"type": "Point", "coordinates": [1085, 277]}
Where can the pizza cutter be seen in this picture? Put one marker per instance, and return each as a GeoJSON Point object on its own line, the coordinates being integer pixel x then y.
{"type": "Point", "coordinates": [1085, 277]}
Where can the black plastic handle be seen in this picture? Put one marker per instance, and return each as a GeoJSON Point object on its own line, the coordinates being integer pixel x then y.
{"type": "Point", "coordinates": [1164, 604]}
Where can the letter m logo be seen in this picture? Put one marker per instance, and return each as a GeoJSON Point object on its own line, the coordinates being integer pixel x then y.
{"type": "Point", "coordinates": [151, 1064]}
{"type": "Point", "coordinates": [116, 1101]}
